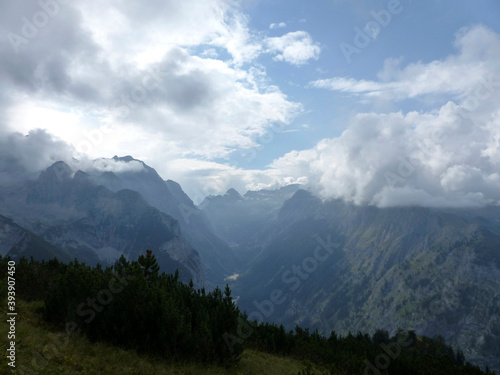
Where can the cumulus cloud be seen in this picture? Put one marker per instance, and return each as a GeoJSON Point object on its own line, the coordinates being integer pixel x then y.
{"type": "Point", "coordinates": [414, 159]}
{"type": "Point", "coordinates": [296, 48]}
{"type": "Point", "coordinates": [459, 74]}
{"type": "Point", "coordinates": [107, 82]}
{"type": "Point", "coordinates": [446, 156]}
{"type": "Point", "coordinates": [142, 33]}
{"type": "Point", "coordinates": [44, 57]}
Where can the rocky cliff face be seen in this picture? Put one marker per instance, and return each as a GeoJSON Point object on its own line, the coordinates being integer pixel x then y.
{"type": "Point", "coordinates": [92, 223]}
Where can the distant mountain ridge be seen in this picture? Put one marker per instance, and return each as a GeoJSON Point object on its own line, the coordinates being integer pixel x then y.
{"type": "Point", "coordinates": [237, 218]}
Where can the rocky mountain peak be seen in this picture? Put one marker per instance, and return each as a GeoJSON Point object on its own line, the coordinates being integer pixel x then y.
{"type": "Point", "coordinates": [232, 194]}
{"type": "Point", "coordinates": [126, 158]}
{"type": "Point", "coordinates": [57, 172]}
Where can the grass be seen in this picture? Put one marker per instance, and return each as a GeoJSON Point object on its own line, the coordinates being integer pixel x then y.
{"type": "Point", "coordinates": [42, 349]}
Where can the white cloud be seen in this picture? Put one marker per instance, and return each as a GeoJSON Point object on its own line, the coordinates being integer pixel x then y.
{"type": "Point", "coordinates": [116, 166]}
{"type": "Point", "coordinates": [143, 33]}
{"type": "Point", "coordinates": [207, 108]}
{"type": "Point", "coordinates": [351, 85]}
{"type": "Point", "coordinates": [107, 82]}
{"type": "Point", "coordinates": [459, 75]}
{"type": "Point", "coordinates": [432, 159]}
{"type": "Point", "coordinates": [274, 26]}
{"type": "Point", "coordinates": [296, 48]}
{"type": "Point", "coordinates": [447, 156]}
{"type": "Point", "coordinates": [181, 86]}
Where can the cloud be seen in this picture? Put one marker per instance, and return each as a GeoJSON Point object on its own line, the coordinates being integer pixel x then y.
{"type": "Point", "coordinates": [185, 89]}
{"type": "Point", "coordinates": [414, 159]}
{"type": "Point", "coordinates": [458, 75]}
{"type": "Point", "coordinates": [447, 155]}
{"type": "Point", "coordinates": [295, 48]}
{"type": "Point", "coordinates": [184, 85]}
{"type": "Point", "coordinates": [102, 78]}
{"type": "Point", "coordinates": [50, 58]}
{"type": "Point", "coordinates": [274, 26]}
{"type": "Point", "coordinates": [201, 106]}
{"type": "Point", "coordinates": [115, 166]}
{"type": "Point", "coordinates": [201, 178]}
{"type": "Point", "coordinates": [143, 33]}
{"type": "Point", "coordinates": [22, 157]}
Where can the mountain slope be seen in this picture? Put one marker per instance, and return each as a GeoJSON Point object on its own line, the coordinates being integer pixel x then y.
{"type": "Point", "coordinates": [94, 224]}
{"type": "Point", "coordinates": [343, 267]}
{"type": "Point", "coordinates": [17, 242]}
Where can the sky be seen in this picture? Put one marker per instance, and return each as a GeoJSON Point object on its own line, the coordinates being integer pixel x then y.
{"type": "Point", "coordinates": [384, 103]}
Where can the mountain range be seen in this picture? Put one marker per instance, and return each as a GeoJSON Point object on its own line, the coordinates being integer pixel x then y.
{"type": "Point", "coordinates": [337, 266]}
{"type": "Point", "coordinates": [288, 256]}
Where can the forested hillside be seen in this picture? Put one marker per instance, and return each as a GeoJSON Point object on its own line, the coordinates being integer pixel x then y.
{"type": "Point", "coordinates": [133, 306]}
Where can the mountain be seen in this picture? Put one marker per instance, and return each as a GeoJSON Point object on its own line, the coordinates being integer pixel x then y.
{"type": "Point", "coordinates": [337, 266]}
{"type": "Point", "coordinates": [216, 256]}
{"type": "Point", "coordinates": [238, 219]}
{"type": "Point", "coordinates": [17, 242]}
{"type": "Point", "coordinates": [96, 225]}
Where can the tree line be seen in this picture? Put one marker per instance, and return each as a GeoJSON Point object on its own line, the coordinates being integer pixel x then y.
{"type": "Point", "coordinates": [132, 305]}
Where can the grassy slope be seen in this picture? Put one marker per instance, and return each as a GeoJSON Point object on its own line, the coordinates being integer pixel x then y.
{"type": "Point", "coordinates": [79, 356]}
